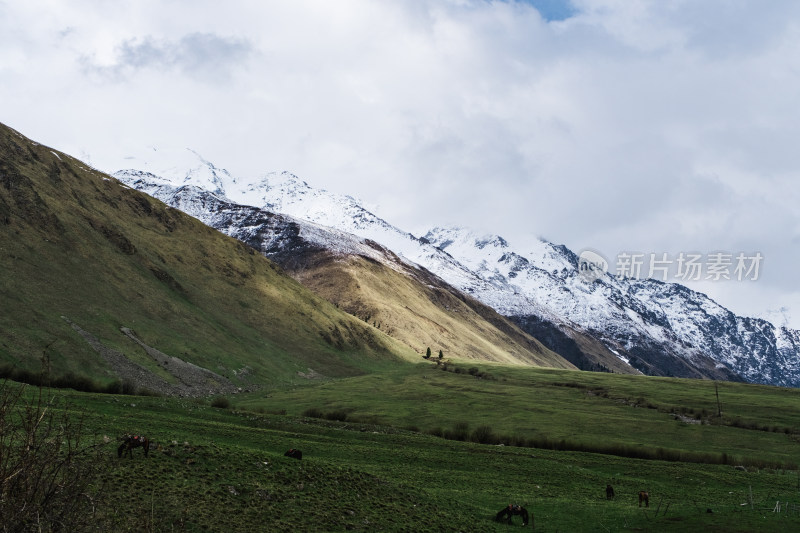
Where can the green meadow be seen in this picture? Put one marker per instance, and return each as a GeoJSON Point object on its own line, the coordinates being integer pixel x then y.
{"type": "Point", "coordinates": [402, 451]}
{"type": "Point", "coordinates": [627, 415]}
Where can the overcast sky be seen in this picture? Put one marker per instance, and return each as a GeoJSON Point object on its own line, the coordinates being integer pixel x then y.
{"type": "Point", "coordinates": [650, 126]}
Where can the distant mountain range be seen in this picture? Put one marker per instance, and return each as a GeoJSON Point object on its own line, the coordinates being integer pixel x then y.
{"type": "Point", "coordinates": [610, 324]}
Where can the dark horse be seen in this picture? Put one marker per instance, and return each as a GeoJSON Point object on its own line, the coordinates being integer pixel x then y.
{"type": "Point", "coordinates": [129, 442]}
{"type": "Point", "coordinates": [512, 510]}
{"type": "Point", "coordinates": [644, 497]}
{"type": "Point", "coordinates": [609, 492]}
{"type": "Point", "coordinates": [296, 454]}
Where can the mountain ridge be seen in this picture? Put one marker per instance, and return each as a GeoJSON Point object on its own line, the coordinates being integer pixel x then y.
{"type": "Point", "coordinates": [654, 327]}
{"type": "Point", "coordinates": [363, 278]}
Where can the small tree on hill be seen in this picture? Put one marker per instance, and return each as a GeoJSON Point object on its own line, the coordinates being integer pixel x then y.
{"type": "Point", "coordinates": [428, 353]}
{"type": "Point", "coordinates": [441, 355]}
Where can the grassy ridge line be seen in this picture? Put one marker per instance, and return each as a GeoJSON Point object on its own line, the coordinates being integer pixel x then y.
{"type": "Point", "coordinates": [623, 415]}
{"type": "Point", "coordinates": [225, 470]}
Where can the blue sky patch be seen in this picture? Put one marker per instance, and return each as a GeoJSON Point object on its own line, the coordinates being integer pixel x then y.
{"type": "Point", "coordinates": [553, 9]}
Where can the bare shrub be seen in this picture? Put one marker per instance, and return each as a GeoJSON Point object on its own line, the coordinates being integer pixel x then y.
{"type": "Point", "coordinates": [484, 435]}
{"type": "Point", "coordinates": [221, 402]}
{"type": "Point", "coordinates": [460, 431]}
{"type": "Point", "coordinates": [313, 412]}
{"type": "Point", "coordinates": [339, 415]}
{"type": "Point", "coordinates": [436, 432]}
{"type": "Point", "coordinates": [48, 474]}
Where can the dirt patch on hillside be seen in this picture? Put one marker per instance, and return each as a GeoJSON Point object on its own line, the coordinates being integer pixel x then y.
{"type": "Point", "coordinates": [191, 380]}
{"type": "Point", "coordinates": [311, 374]}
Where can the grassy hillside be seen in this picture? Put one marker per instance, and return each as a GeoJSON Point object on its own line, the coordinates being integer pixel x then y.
{"type": "Point", "coordinates": [83, 256]}
{"type": "Point", "coordinates": [422, 312]}
{"type": "Point", "coordinates": [217, 469]}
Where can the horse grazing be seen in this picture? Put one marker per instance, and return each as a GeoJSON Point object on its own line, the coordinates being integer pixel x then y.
{"type": "Point", "coordinates": [512, 510]}
{"type": "Point", "coordinates": [644, 497]}
{"type": "Point", "coordinates": [129, 442]}
{"type": "Point", "coordinates": [609, 492]}
{"type": "Point", "coordinates": [295, 454]}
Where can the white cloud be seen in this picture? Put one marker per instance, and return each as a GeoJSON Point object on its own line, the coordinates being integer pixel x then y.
{"type": "Point", "coordinates": [631, 125]}
{"type": "Point", "coordinates": [203, 56]}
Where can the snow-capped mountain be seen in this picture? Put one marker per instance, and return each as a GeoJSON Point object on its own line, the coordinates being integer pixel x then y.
{"type": "Point", "coordinates": [263, 229]}
{"type": "Point", "coordinates": [645, 322]}
{"type": "Point", "coordinates": [655, 327]}
{"type": "Point", "coordinates": [362, 269]}
{"type": "Point", "coordinates": [283, 192]}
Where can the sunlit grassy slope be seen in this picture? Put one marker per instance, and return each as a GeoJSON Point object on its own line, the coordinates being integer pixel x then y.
{"type": "Point", "coordinates": [423, 312]}
{"type": "Point", "coordinates": [77, 244]}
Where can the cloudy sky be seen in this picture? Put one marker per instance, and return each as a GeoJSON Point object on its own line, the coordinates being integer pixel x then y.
{"type": "Point", "coordinates": [646, 126]}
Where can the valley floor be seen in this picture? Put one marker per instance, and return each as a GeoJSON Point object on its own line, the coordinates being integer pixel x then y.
{"type": "Point", "coordinates": [224, 469]}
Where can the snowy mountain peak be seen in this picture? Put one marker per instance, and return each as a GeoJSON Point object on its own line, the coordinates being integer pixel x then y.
{"type": "Point", "coordinates": [182, 166]}
{"type": "Point", "coordinates": [284, 183]}
{"type": "Point", "coordinates": [446, 236]}
{"type": "Point", "coordinates": [496, 241]}
{"type": "Point", "coordinates": [273, 190]}
{"type": "Point", "coordinates": [442, 237]}
{"type": "Point", "coordinates": [474, 248]}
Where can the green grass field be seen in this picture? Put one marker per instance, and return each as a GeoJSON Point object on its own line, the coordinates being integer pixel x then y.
{"type": "Point", "coordinates": [217, 469]}
{"type": "Point", "coordinates": [585, 410]}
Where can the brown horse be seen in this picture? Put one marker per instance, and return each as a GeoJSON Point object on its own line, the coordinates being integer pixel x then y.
{"type": "Point", "coordinates": [295, 454]}
{"type": "Point", "coordinates": [129, 442]}
{"type": "Point", "coordinates": [644, 497]}
{"type": "Point", "coordinates": [506, 513]}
